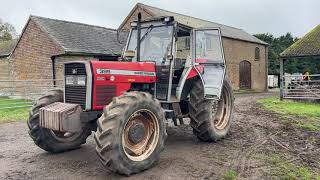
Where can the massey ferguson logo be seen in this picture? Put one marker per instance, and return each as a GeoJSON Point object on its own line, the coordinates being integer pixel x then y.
{"type": "Point", "coordinates": [103, 71]}
{"type": "Point", "coordinates": [74, 71]}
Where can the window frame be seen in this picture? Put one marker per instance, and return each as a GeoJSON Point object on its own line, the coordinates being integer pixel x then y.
{"type": "Point", "coordinates": [257, 54]}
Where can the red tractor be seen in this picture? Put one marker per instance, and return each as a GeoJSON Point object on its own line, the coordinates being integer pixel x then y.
{"type": "Point", "coordinates": [168, 71]}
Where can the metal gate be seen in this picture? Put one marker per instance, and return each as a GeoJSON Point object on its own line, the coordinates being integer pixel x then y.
{"type": "Point", "coordinates": [245, 75]}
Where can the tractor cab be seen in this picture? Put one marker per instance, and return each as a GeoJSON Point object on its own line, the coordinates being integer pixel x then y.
{"type": "Point", "coordinates": [179, 53]}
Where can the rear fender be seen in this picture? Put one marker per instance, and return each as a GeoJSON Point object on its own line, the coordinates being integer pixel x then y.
{"type": "Point", "coordinates": [186, 81]}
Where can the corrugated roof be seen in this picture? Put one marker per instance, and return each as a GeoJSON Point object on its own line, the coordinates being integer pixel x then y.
{"type": "Point", "coordinates": [308, 45]}
{"type": "Point", "coordinates": [80, 38]}
{"type": "Point", "coordinates": [226, 31]}
{"type": "Point", "coordinates": [6, 47]}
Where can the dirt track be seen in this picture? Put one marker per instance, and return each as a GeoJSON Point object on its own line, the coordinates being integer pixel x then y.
{"type": "Point", "coordinates": [253, 132]}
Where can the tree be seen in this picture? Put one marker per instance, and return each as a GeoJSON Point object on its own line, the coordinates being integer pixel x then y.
{"type": "Point", "coordinates": [277, 45]}
{"type": "Point", "coordinates": [293, 65]}
{"type": "Point", "coordinates": [7, 31]}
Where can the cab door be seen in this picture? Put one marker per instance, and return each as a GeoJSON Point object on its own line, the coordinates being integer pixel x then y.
{"type": "Point", "coordinates": [208, 59]}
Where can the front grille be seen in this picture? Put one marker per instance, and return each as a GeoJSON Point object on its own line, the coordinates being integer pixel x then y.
{"type": "Point", "coordinates": [75, 94]}
{"type": "Point", "coordinates": [105, 95]}
{"type": "Point", "coordinates": [75, 69]}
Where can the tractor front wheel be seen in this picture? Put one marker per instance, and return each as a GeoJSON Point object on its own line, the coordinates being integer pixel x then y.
{"type": "Point", "coordinates": [47, 139]}
{"type": "Point", "coordinates": [131, 133]}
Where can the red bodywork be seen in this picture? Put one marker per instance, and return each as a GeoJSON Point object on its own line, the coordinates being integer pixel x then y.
{"type": "Point", "coordinates": [121, 76]}
{"type": "Point", "coordinates": [117, 77]}
{"type": "Point", "coordinates": [198, 68]}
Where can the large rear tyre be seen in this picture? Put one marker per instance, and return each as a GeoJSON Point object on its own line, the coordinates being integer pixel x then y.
{"type": "Point", "coordinates": [131, 133]}
{"type": "Point", "coordinates": [211, 119]}
{"type": "Point", "coordinates": [49, 140]}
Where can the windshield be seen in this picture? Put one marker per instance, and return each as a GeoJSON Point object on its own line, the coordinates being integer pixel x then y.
{"type": "Point", "coordinates": [155, 45]}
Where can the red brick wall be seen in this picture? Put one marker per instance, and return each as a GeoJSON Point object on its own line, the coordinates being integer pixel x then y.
{"type": "Point", "coordinates": [32, 56]}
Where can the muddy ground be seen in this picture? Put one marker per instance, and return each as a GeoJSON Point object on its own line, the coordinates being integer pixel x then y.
{"type": "Point", "coordinates": [254, 137]}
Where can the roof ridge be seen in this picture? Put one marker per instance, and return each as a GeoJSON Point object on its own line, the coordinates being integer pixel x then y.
{"type": "Point", "coordinates": [71, 22]}
{"type": "Point", "coordinates": [188, 16]}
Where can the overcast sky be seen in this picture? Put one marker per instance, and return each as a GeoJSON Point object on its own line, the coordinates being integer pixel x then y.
{"type": "Point", "coordinates": [254, 16]}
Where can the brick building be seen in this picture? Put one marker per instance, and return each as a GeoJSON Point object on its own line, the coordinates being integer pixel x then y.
{"type": "Point", "coordinates": [46, 43]}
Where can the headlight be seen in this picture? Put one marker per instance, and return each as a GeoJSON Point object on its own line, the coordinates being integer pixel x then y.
{"type": "Point", "coordinates": [69, 80]}
{"type": "Point", "coordinates": [81, 80]}
{"type": "Point", "coordinates": [76, 80]}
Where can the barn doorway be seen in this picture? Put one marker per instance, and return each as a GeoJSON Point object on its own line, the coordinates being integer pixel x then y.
{"type": "Point", "coordinates": [245, 74]}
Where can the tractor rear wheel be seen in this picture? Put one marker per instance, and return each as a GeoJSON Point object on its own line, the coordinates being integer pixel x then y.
{"type": "Point", "coordinates": [49, 140]}
{"type": "Point", "coordinates": [211, 119]}
{"type": "Point", "coordinates": [131, 133]}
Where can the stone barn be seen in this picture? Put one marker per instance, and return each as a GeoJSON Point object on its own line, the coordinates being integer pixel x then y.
{"type": "Point", "coordinates": [246, 55]}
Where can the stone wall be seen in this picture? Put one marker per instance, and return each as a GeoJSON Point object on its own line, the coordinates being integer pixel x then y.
{"type": "Point", "coordinates": [236, 51]}
{"type": "Point", "coordinates": [4, 69]}
{"type": "Point", "coordinates": [4, 76]}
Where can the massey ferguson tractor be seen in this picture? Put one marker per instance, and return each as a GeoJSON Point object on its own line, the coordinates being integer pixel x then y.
{"type": "Point", "coordinates": [168, 71]}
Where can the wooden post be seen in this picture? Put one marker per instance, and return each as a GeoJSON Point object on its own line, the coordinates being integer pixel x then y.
{"type": "Point", "coordinates": [281, 78]}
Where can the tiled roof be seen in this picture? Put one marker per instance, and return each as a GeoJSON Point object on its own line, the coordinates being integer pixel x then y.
{"type": "Point", "coordinates": [6, 47]}
{"type": "Point", "coordinates": [308, 45]}
{"type": "Point", "coordinates": [226, 31]}
{"type": "Point", "coordinates": [80, 38]}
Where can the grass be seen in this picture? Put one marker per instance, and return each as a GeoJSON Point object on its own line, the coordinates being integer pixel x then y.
{"type": "Point", "coordinates": [13, 110]}
{"type": "Point", "coordinates": [245, 91]}
{"type": "Point", "coordinates": [289, 170]}
{"type": "Point", "coordinates": [230, 175]}
{"type": "Point", "coordinates": [307, 114]}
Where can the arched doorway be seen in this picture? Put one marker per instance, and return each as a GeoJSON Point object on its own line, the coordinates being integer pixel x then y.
{"type": "Point", "coordinates": [245, 75]}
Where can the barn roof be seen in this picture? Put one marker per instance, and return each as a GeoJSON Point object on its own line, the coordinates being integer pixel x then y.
{"type": "Point", "coordinates": [308, 45]}
{"type": "Point", "coordinates": [79, 38]}
{"type": "Point", "coordinates": [226, 31]}
{"type": "Point", "coordinates": [6, 47]}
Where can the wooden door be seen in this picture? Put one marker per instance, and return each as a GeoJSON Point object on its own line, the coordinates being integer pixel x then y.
{"type": "Point", "coordinates": [245, 75]}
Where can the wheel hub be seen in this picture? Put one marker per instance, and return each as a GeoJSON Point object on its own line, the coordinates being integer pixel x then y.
{"type": "Point", "coordinates": [136, 133]}
{"type": "Point", "coordinates": [140, 135]}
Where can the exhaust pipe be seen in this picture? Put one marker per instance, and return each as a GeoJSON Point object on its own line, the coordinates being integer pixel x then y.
{"type": "Point", "coordinates": [138, 36]}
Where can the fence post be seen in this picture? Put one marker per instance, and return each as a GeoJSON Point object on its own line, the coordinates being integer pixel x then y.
{"type": "Point", "coordinates": [281, 78]}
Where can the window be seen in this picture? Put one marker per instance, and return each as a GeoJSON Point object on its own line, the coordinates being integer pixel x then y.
{"type": "Point", "coordinates": [208, 45]}
{"type": "Point", "coordinates": [257, 54]}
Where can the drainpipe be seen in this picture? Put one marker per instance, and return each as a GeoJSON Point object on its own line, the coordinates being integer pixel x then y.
{"type": "Point", "coordinates": [53, 70]}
